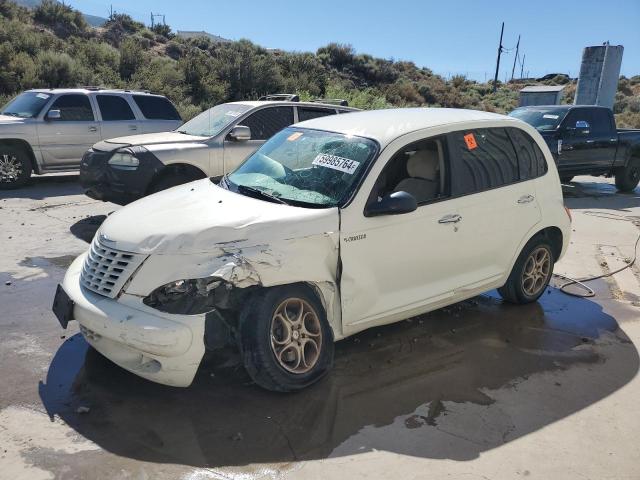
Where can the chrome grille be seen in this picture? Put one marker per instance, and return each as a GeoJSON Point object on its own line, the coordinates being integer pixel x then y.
{"type": "Point", "coordinates": [106, 270]}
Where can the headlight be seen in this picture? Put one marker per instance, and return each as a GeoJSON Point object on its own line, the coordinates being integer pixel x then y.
{"type": "Point", "coordinates": [189, 297]}
{"type": "Point", "coordinates": [124, 160]}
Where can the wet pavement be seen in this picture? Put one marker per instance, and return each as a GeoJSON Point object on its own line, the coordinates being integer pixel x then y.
{"type": "Point", "coordinates": [478, 389]}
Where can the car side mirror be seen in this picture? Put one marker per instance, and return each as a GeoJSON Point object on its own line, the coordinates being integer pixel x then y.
{"type": "Point", "coordinates": [54, 115]}
{"type": "Point", "coordinates": [240, 133]}
{"type": "Point", "coordinates": [395, 203]}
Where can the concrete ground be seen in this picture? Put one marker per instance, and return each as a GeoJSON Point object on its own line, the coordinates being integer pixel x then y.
{"type": "Point", "coordinates": [477, 390]}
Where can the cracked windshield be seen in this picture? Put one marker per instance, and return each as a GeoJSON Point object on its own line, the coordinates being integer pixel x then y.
{"type": "Point", "coordinates": [305, 167]}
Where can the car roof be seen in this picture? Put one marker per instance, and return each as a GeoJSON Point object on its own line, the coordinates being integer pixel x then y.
{"type": "Point", "coordinates": [386, 125]}
{"type": "Point", "coordinates": [561, 107]}
{"type": "Point", "coordinates": [260, 103]}
{"type": "Point", "coordinates": [91, 90]}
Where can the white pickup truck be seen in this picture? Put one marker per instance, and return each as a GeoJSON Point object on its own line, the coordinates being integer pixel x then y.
{"type": "Point", "coordinates": [48, 130]}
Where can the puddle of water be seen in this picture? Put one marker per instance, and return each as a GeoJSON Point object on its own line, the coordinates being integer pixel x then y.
{"type": "Point", "coordinates": [456, 354]}
{"type": "Point", "coordinates": [62, 261]}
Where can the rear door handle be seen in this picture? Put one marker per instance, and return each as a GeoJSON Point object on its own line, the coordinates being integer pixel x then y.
{"type": "Point", "coordinates": [453, 218]}
{"type": "Point", "coordinates": [133, 127]}
{"type": "Point", "coordinates": [526, 199]}
{"type": "Point", "coordinates": [93, 129]}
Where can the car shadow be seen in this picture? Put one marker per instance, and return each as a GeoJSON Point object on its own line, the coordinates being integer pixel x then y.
{"type": "Point", "coordinates": [86, 228]}
{"type": "Point", "coordinates": [40, 187]}
{"type": "Point", "coordinates": [450, 384]}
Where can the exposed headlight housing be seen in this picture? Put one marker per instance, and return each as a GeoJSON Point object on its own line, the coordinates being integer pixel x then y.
{"type": "Point", "coordinates": [189, 297]}
{"type": "Point", "coordinates": [124, 160]}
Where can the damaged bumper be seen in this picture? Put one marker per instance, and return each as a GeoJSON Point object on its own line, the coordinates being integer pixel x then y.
{"type": "Point", "coordinates": [163, 348]}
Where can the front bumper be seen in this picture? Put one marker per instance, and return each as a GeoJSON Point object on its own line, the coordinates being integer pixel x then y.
{"type": "Point", "coordinates": [163, 348]}
{"type": "Point", "coordinates": [102, 181]}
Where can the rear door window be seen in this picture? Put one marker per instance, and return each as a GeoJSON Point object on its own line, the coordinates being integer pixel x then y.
{"type": "Point", "coordinates": [73, 108]}
{"type": "Point", "coordinates": [531, 161]}
{"type": "Point", "coordinates": [307, 113]}
{"type": "Point", "coordinates": [600, 122]}
{"type": "Point", "coordinates": [113, 108]}
{"type": "Point", "coordinates": [482, 159]}
{"type": "Point", "coordinates": [266, 122]}
{"type": "Point", "coordinates": [156, 108]}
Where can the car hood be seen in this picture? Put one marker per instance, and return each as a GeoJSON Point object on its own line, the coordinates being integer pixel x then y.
{"type": "Point", "coordinates": [199, 217]}
{"type": "Point", "coordinates": [11, 119]}
{"type": "Point", "coordinates": [146, 139]}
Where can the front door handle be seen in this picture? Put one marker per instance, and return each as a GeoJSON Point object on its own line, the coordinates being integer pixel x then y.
{"type": "Point", "coordinates": [526, 199]}
{"type": "Point", "coordinates": [454, 218]}
{"type": "Point", "coordinates": [133, 127]}
{"type": "Point", "coordinates": [93, 129]}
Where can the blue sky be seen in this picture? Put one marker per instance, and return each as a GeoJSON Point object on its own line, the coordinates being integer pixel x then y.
{"type": "Point", "coordinates": [448, 36]}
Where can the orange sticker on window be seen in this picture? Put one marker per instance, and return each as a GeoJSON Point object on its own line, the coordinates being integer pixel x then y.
{"type": "Point", "coordinates": [470, 140]}
{"type": "Point", "coordinates": [294, 136]}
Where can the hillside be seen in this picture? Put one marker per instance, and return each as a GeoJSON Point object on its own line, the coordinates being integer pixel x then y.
{"type": "Point", "coordinates": [53, 46]}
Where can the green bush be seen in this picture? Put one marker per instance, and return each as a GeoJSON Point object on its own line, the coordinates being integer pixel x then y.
{"type": "Point", "coordinates": [131, 58]}
{"type": "Point", "coordinates": [63, 19]}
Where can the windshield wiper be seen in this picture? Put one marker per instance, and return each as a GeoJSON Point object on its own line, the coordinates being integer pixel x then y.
{"type": "Point", "coordinates": [182, 132]}
{"type": "Point", "coordinates": [261, 193]}
{"type": "Point", "coordinates": [12, 114]}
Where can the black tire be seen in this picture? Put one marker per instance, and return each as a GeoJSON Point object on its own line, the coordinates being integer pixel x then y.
{"type": "Point", "coordinates": [257, 342]}
{"type": "Point", "coordinates": [15, 167]}
{"type": "Point", "coordinates": [173, 179]}
{"type": "Point", "coordinates": [514, 291]}
{"type": "Point", "coordinates": [566, 179]}
{"type": "Point", "coordinates": [627, 178]}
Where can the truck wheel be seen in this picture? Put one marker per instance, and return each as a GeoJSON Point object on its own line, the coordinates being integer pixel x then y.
{"type": "Point", "coordinates": [15, 167]}
{"type": "Point", "coordinates": [531, 273]}
{"type": "Point", "coordinates": [286, 342]}
{"type": "Point", "coordinates": [566, 179]}
{"type": "Point", "coordinates": [627, 178]}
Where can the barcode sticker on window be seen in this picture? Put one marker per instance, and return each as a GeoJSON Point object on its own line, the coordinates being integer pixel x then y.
{"type": "Point", "coordinates": [470, 140]}
{"type": "Point", "coordinates": [336, 163]}
{"type": "Point", "coordinates": [232, 113]}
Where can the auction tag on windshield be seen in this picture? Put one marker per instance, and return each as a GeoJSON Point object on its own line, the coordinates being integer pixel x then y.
{"type": "Point", "coordinates": [336, 163]}
{"type": "Point", "coordinates": [294, 136]}
{"type": "Point", "coordinates": [470, 140]}
{"type": "Point", "coordinates": [233, 113]}
{"type": "Point", "coordinates": [548, 115]}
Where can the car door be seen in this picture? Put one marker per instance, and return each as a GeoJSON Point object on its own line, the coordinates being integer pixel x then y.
{"type": "Point", "coordinates": [64, 140]}
{"type": "Point", "coordinates": [394, 264]}
{"type": "Point", "coordinates": [264, 123]}
{"type": "Point", "coordinates": [117, 117]}
{"type": "Point", "coordinates": [496, 201]}
{"type": "Point", "coordinates": [576, 152]}
{"type": "Point", "coordinates": [157, 114]}
{"type": "Point", "coordinates": [604, 138]}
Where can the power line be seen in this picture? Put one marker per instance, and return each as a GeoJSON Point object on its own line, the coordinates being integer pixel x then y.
{"type": "Point", "coordinates": [500, 49]}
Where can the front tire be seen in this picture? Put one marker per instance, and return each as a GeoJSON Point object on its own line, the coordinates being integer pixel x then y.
{"type": "Point", "coordinates": [530, 274]}
{"type": "Point", "coordinates": [286, 342]}
{"type": "Point", "coordinates": [15, 167]}
{"type": "Point", "coordinates": [627, 178]}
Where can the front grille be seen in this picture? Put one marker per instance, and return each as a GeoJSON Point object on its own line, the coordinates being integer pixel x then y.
{"type": "Point", "coordinates": [106, 270]}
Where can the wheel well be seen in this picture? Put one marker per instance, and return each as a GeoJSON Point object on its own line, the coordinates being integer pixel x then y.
{"type": "Point", "coordinates": [23, 145]}
{"type": "Point", "coordinates": [554, 236]}
{"type": "Point", "coordinates": [177, 169]}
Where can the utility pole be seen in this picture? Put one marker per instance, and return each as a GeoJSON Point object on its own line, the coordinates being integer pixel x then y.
{"type": "Point", "coordinates": [522, 65]}
{"type": "Point", "coordinates": [495, 79]}
{"type": "Point", "coordinates": [513, 70]}
{"type": "Point", "coordinates": [154, 15]}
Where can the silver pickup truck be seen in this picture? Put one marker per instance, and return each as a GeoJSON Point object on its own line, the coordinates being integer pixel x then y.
{"type": "Point", "coordinates": [48, 130]}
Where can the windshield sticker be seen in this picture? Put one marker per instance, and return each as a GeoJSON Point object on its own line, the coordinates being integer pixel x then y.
{"type": "Point", "coordinates": [43, 96]}
{"type": "Point", "coordinates": [552, 117]}
{"type": "Point", "coordinates": [294, 136]}
{"type": "Point", "coordinates": [233, 113]}
{"type": "Point", "coordinates": [470, 140]}
{"type": "Point", "coordinates": [336, 163]}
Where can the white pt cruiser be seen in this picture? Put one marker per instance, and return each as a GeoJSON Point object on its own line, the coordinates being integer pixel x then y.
{"type": "Point", "coordinates": [333, 226]}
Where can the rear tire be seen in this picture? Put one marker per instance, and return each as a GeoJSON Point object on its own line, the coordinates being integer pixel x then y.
{"type": "Point", "coordinates": [531, 273]}
{"type": "Point", "coordinates": [285, 340]}
{"type": "Point", "coordinates": [627, 178]}
{"type": "Point", "coordinates": [566, 179]}
{"type": "Point", "coordinates": [15, 167]}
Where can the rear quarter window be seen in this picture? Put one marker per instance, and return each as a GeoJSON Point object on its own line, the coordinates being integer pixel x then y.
{"type": "Point", "coordinates": [114, 108]}
{"type": "Point", "coordinates": [307, 113]}
{"type": "Point", "coordinates": [156, 108]}
{"type": "Point", "coordinates": [482, 159]}
{"type": "Point", "coordinates": [531, 160]}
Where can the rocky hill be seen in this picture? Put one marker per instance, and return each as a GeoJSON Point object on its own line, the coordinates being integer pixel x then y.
{"type": "Point", "coordinates": [52, 45]}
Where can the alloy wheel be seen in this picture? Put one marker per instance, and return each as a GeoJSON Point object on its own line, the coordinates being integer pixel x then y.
{"type": "Point", "coordinates": [296, 335]}
{"type": "Point", "coordinates": [536, 271]}
{"type": "Point", "coordinates": [10, 168]}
